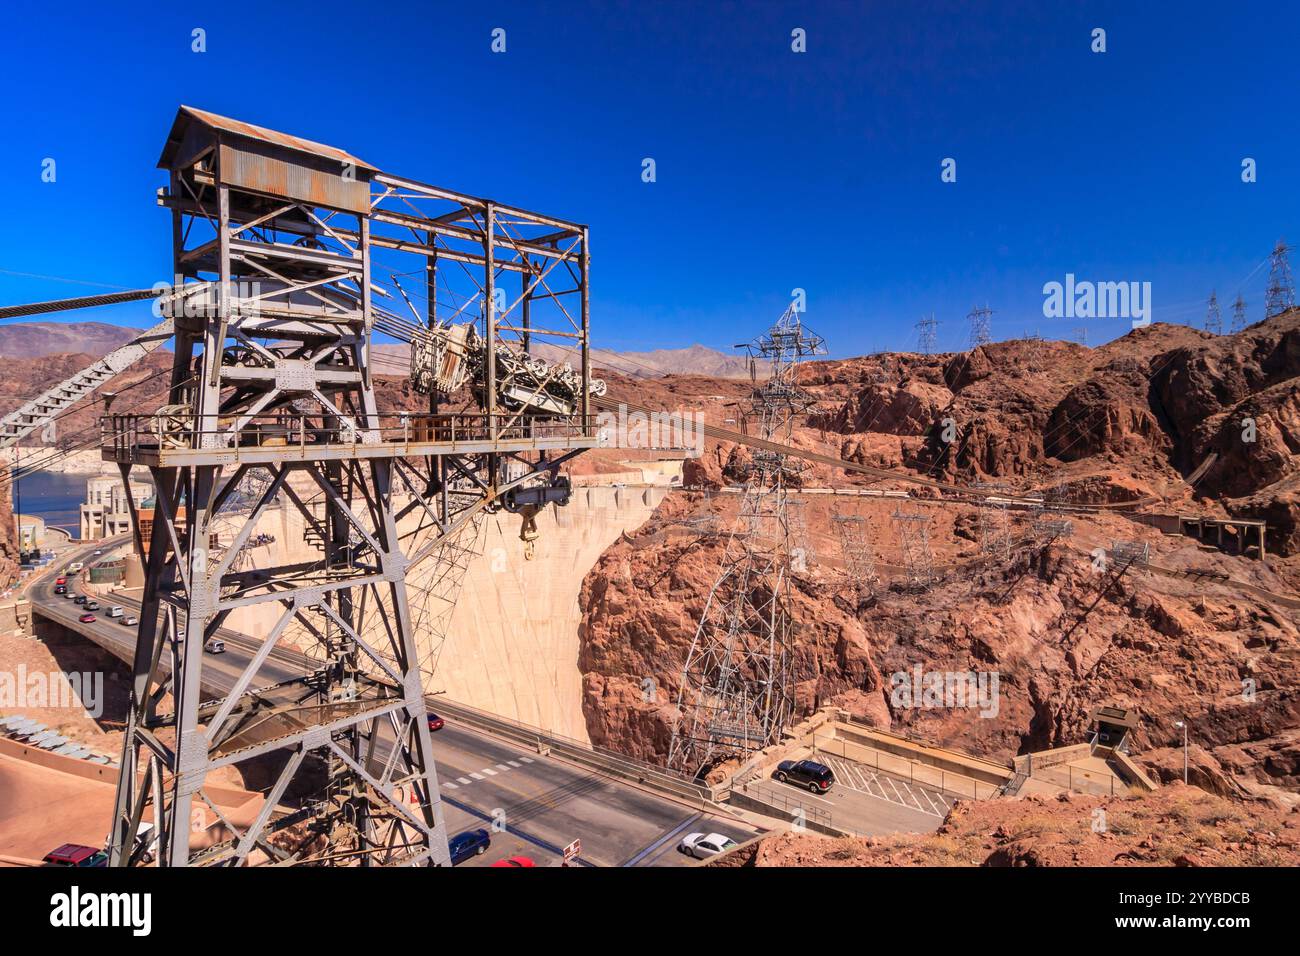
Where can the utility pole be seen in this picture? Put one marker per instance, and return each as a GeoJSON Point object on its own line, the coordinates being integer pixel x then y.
{"type": "Point", "coordinates": [735, 686]}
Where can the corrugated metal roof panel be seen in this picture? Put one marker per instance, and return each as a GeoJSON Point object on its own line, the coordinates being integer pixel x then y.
{"type": "Point", "coordinates": [188, 114]}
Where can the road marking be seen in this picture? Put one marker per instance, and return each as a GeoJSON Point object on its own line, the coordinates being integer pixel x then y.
{"type": "Point", "coordinates": [449, 785]}
{"type": "Point", "coordinates": [489, 771]}
{"type": "Point", "coordinates": [477, 776]}
{"type": "Point", "coordinates": [526, 759]}
{"type": "Point", "coordinates": [502, 766]}
{"type": "Point", "coordinates": [514, 763]}
{"type": "Point", "coordinates": [666, 838]}
{"type": "Point", "coordinates": [464, 780]}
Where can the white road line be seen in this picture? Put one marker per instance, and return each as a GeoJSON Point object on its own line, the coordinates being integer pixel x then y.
{"type": "Point", "coordinates": [449, 785]}
{"type": "Point", "coordinates": [477, 776]}
{"type": "Point", "coordinates": [502, 766]}
{"type": "Point", "coordinates": [464, 780]}
{"type": "Point", "coordinates": [489, 771]}
{"type": "Point", "coordinates": [514, 763]}
{"type": "Point", "coordinates": [526, 759]}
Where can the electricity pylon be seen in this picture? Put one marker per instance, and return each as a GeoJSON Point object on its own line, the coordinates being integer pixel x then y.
{"type": "Point", "coordinates": [735, 686]}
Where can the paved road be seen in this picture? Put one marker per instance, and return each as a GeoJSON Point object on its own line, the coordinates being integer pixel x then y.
{"type": "Point", "coordinates": [849, 809]}
{"type": "Point", "coordinates": [542, 803]}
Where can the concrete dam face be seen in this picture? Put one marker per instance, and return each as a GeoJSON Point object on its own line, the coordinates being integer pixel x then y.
{"type": "Point", "coordinates": [511, 644]}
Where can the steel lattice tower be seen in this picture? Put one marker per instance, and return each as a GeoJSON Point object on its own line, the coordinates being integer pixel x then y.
{"type": "Point", "coordinates": [914, 544]}
{"type": "Point", "coordinates": [980, 333]}
{"type": "Point", "coordinates": [273, 403]}
{"type": "Point", "coordinates": [994, 521]}
{"type": "Point", "coordinates": [859, 557]}
{"type": "Point", "coordinates": [1213, 318]}
{"type": "Point", "coordinates": [926, 334]}
{"type": "Point", "coordinates": [1239, 314]}
{"type": "Point", "coordinates": [1281, 289]}
{"type": "Point", "coordinates": [735, 694]}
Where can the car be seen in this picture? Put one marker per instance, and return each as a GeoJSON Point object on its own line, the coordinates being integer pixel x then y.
{"type": "Point", "coordinates": [129, 621]}
{"type": "Point", "coordinates": [87, 619]}
{"type": "Point", "coordinates": [116, 611]}
{"type": "Point", "coordinates": [435, 722]}
{"type": "Point", "coordinates": [60, 589]}
{"type": "Point", "coordinates": [470, 843]}
{"type": "Point", "coordinates": [92, 605]}
{"type": "Point", "coordinates": [75, 854]}
{"type": "Point", "coordinates": [805, 773]}
{"type": "Point", "coordinates": [515, 861]}
{"type": "Point", "coordinates": [80, 599]}
{"type": "Point", "coordinates": [60, 580]}
{"type": "Point", "coordinates": [215, 645]}
{"type": "Point", "coordinates": [74, 567]}
{"type": "Point", "coordinates": [704, 845]}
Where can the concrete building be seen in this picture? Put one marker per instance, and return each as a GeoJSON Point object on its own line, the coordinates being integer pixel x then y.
{"type": "Point", "coordinates": [106, 511]}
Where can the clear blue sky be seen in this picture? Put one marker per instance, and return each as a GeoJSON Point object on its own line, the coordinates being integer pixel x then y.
{"type": "Point", "coordinates": [776, 170]}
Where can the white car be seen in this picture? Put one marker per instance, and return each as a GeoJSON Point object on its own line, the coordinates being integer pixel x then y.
{"type": "Point", "coordinates": [702, 845]}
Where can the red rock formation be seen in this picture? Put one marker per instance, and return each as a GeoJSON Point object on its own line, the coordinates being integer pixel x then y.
{"type": "Point", "coordinates": [1175, 826]}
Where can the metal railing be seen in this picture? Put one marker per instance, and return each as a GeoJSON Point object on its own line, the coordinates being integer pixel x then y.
{"type": "Point", "coordinates": [126, 433]}
{"type": "Point", "coordinates": [791, 805]}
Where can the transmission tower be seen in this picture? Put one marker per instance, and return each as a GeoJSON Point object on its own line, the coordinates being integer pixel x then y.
{"type": "Point", "coordinates": [735, 695]}
{"type": "Point", "coordinates": [1081, 334]}
{"type": "Point", "coordinates": [1213, 320]}
{"type": "Point", "coordinates": [926, 334]}
{"type": "Point", "coordinates": [914, 544]}
{"type": "Point", "coordinates": [994, 521]}
{"type": "Point", "coordinates": [1238, 315]}
{"type": "Point", "coordinates": [979, 326]}
{"type": "Point", "coordinates": [801, 549]}
{"type": "Point", "coordinates": [272, 401]}
{"type": "Point", "coordinates": [859, 558]}
{"type": "Point", "coordinates": [1281, 290]}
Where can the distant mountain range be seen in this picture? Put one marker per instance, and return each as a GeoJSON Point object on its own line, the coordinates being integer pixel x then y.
{"type": "Point", "coordinates": [37, 339]}
{"type": "Point", "coordinates": [695, 360]}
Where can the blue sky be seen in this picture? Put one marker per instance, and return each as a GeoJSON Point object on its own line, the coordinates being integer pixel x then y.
{"type": "Point", "coordinates": [775, 170]}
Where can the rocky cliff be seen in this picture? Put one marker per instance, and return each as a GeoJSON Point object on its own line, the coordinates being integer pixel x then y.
{"type": "Point", "coordinates": [1131, 421]}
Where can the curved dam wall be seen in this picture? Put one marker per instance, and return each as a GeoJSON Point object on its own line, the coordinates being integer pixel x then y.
{"type": "Point", "coordinates": [512, 647]}
{"type": "Point", "coordinates": [512, 641]}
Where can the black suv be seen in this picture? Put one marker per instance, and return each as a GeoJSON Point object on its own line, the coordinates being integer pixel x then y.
{"type": "Point", "coordinates": [805, 773]}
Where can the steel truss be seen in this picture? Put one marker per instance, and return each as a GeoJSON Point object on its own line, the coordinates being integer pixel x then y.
{"type": "Point", "coordinates": [734, 695]}
{"type": "Point", "coordinates": [859, 557]}
{"type": "Point", "coordinates": [273, 405]}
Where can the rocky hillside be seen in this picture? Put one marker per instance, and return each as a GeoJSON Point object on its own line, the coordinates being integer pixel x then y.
{"type": "Point", "coordinates": [1130, 421]}
{"type": "Point", "coordinates": [1175, 826]}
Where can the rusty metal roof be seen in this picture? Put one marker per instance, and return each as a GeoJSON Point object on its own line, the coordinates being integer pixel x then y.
{"type": "Point", "coordinates": [188, 114]}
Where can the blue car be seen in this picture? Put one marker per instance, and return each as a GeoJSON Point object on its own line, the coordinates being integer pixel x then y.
{"type": "Point", "coordinates": [467, 844]}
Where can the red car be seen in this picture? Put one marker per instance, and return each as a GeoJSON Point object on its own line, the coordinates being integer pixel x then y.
{"type": "Point", "coordinates": [87, 619]}
{"type": "Point", "coordinates": [514, 861]}
{"type": "Point", "coordinates": [435, 722]}
{"type": "Point", "coordinates": [74, 854]}
{"type": "Point", "coordinates": [60, 580]}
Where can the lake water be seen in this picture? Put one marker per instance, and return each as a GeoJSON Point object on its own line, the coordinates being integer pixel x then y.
{"type": "Point", "coordinates": [54, 496]}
